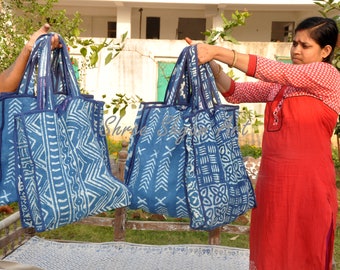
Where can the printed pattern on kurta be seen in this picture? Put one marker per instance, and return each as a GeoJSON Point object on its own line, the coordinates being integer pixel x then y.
{"type": "Point", "coordinates": [294, 222]}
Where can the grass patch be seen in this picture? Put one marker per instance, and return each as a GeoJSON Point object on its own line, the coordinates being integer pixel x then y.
{"type": "Point", "coordinates": [80, 232]}
{"type": "Point", "coordinates": [89, 233]}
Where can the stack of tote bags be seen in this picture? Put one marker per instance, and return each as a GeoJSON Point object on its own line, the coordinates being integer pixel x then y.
{"type": "Point", "coordinates": [184, 158]}
{"type": "Point", "coordinates": [54, 156]}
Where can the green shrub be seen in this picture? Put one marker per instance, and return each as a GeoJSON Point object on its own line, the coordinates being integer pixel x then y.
{"type": "Point", "coordinates": [251, 150]}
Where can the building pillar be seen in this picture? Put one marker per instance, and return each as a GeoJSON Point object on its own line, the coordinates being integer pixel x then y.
{"type": "Point", "coordinates": [213, 15]}
{"type": "Point", "coordinates": [217, 22]}
{"type": "Point", "coordinates": [123, 21]}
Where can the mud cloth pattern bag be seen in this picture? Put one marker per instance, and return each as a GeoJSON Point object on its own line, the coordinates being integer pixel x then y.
{"type": "Point", "coordinates": [217, 184]}
{"type": "Point", "coordinates": [62, 174]}
{"type": "Point", "coordinates": [25, 100]}
{"type": "Point", "coordinates": [184, 158]}
{"type": "Point", "coordinates": [155, 167]}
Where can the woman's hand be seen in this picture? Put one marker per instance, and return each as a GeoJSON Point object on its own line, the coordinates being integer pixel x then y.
{"type": "Point", "coordinates": [205, 52]}
{"type": "Point", "coordinates": [11, 77]}
{"type": "Point", "coordinates": [42, 31]}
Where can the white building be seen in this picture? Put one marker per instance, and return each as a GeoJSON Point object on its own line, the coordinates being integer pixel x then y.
{"type": "Point", "coordinates": [270, 19]}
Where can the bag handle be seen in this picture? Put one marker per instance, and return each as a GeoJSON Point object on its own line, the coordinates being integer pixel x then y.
{"type": "Point", "coordinates": [45, 78]}
{"type": "Point", "coordinates": [27, 84]}
{"type": "Point", "coordinates": [54, 72]}
{"type": "Point", "coordinates": [194, 73]}
{"type": "Point", "coordinates": [178, 91]}
{"type": "Point", "coordinates": [203, 84]}
{"type": "Point", "coordinates": [184, 82]}
{"type": "Point", "coordinates": [191, 83]}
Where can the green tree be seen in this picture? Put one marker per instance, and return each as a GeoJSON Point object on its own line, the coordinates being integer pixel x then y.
{"type": "Point", "coordinates": [20, 18]}
{"type": "Point", "coordinates": [328, 7]}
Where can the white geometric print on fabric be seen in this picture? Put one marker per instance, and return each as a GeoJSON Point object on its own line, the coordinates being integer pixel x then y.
{"type": "Point", "coordinates": [190, 142]}
{"type": "Point", "coordinates": [51, 255]}
{"type": "Point", "coordinates": [63, 175]}
{"type": "Point", "coordinates": [11, 105]}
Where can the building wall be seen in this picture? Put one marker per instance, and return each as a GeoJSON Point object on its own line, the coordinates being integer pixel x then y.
{"type": "Point", "coordinates": [258, 25]}
{"type": "Point", "coordinates": [168, 21]}
{"type": "Point", "coordinates": [134, 71]}
{"type": "Point", "coordinates": [257, 28]}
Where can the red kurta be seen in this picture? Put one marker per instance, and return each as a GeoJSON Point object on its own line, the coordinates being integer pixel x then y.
{"type": "Point", "coordinates": [294, 222]}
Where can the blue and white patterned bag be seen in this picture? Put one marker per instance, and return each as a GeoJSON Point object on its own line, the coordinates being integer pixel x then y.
{"type": "Point", "coordinates": [184, 159]}
{"type": "Point", "coordinates": [25, 100]}
{"type": "Point", "coordinates": [62, 173]}
{"type": "Point", "coordinates": [217, 184]}
{"type": "Point", "coordinates": [155, 166]}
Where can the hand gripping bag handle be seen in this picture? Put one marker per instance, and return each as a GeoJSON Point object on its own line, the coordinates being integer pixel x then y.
{"type": "Point", "coordinates": [45, 83]}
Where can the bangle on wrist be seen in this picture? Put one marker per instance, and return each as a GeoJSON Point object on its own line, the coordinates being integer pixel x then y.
{"type": "Point", "coordinates": [234, 59]}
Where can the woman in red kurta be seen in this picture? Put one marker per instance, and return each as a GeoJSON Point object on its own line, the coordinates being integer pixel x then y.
{"type": "Point", "coordinates": [294, 222]}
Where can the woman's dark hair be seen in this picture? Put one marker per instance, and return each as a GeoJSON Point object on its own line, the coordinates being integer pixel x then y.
{"type": "Point", "coordinates": [323, 31]}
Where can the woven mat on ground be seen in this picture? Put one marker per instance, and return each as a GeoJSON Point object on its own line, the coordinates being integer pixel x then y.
{"type": "Point", "coordinates": [52, 255]}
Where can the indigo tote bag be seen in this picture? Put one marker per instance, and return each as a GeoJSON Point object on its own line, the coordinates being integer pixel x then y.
{"type": "Point", "coordinates": [217, 184]}
{"type": "Point", "coordinates": [61, 172]}
{"type": "Point", "coordinates": [25, 100]}
{"type": "Point", "coordinates": [184, 152]}
{"type": "Point", "coordinates": [155, 167]}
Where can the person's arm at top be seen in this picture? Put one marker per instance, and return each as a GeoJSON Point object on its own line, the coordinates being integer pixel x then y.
{"type": "Point", "coordinates": [11, 77]}
{"type": "Point", "coordinates": [208, 53]}
{"type": "Point", "coordinates": [234, 92]}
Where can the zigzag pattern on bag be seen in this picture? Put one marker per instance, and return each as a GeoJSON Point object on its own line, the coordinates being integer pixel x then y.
{"type": "Point", "coordinates": [183, 157]}
{"type": "Point", "coordinates": [62, 173]}
{"type": "Point", "coordinates": [164, 196]}
{"type": "Point", "coordinates": [37, 166]}
{"type": "Point", "coordinates": [104, 191]}
{"type": "Point", "coordinates": [92, 190]}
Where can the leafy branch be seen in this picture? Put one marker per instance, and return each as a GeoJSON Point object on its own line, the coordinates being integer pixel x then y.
{"type": "Point", "coordinates": [20, 18]}
{"type": "Point", "coordinates": [249, 117]}
{"type": "Point", "coordinates": [121, 103]}
{"type": "Point", "coordinates": [90, 50]}
{"type": "Point", "coordinates": [237, 19]}
{"type": "Point", "coordinates": [327, 6]}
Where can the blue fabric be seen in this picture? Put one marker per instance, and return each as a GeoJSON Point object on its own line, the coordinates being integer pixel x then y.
{"type": "Point", "coordinates": [184, 158]}
{"type": "Point", "coordinates": [24, 100]}
{"type": "Point", "coordinates": [55, 255]}
{"type": "Point", "coordinates": [217, 184]}
{"type": "Point", "coordinates": [61, 170]}
{"type": "Point", "coordinates": [10, 105]}
{"type": "Point", "coordinates": [155, 167]}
